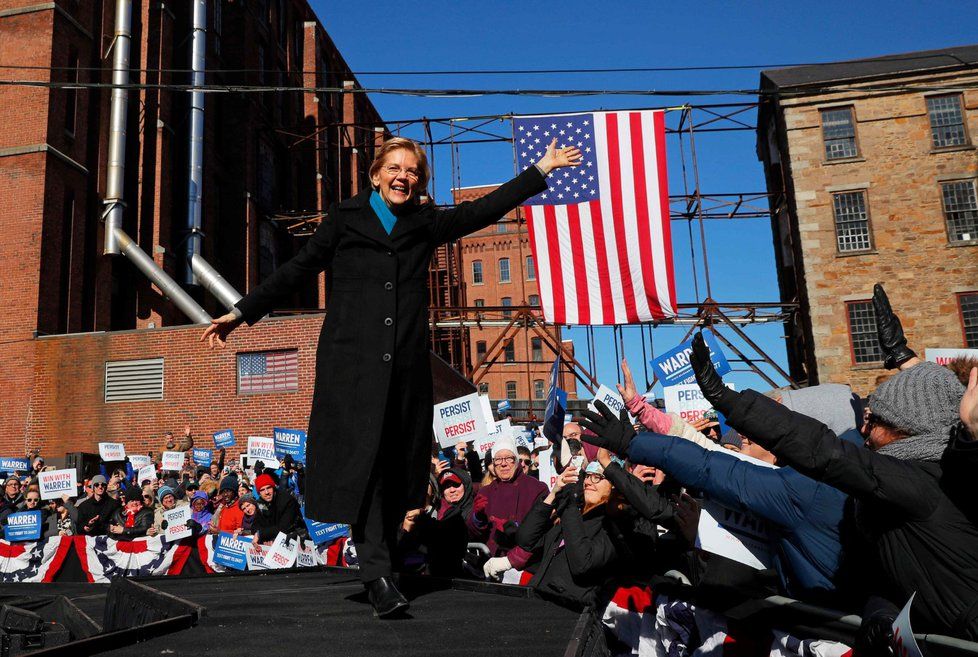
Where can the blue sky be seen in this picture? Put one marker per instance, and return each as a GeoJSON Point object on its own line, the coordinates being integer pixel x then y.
{"type": "Point", "coordinates": [443, 35]}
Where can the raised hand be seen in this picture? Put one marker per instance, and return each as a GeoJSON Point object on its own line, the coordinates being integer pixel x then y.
{"type": "Point", "coordinates": [628, 391]}
{"type": "Point", "coordinates": [612, 432]}
{"type": "Point", "coordinates": [219, 330]}
{"type": "Point", "coordinates": [555, 158]}
{"type": "Point", "coordinates": [707, 378]}
{"type": "Point", "coordinates": [893, 343]}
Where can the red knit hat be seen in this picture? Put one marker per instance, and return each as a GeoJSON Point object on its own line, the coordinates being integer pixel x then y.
{"type": "Point", "coordinates": [263, 480]}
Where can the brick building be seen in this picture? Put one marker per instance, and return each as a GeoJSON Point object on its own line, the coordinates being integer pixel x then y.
{"type": "Point", "coordinates": [872, 169]}
{"type": "Point", "coordinates": [498, 272]}
{"type": "Point", "coordinates": [270, 158]}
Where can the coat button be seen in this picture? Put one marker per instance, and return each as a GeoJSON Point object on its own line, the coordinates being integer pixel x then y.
{"type": "Point", "coordinates": [387, 358]}
{"type": "Point", "coordinates": [388, 285]}
{"type": "Point", "coordinates": [389, 322]}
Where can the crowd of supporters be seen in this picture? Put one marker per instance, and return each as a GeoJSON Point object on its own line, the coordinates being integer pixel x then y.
{"type": "Point", "coordinates": [865, 501]}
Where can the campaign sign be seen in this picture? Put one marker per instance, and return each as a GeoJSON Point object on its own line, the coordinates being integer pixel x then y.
{"type": "Point", "coordinates": [547, 473]}
{"type": "Point", "coordinates": [487, 409]}
{"type": "Point", "coordinates": [503, 405]}
{"type": "Point", "coordinates": [147, 472]}
{"type": "Point", "coordinates": [523, 437]}
{"type": "Point", "coordinates": [173, 460]}
{"type": "Point", "coordinates": [232, 552]}
{"type": "Point", "coordinates": [23, 526]}
{"type": "Point", "coordinates": [112, 451]}
{"type": "Point", "coordinates": [324, 532]}
{"type": "Point", "coordinates": [904, 642]}
{"type": "Point", "coordinates": [256, 556]}
{"type": "Point", "coordinates": [55, 483]}
{"type": "Point", "coordinates": [306, 557]}
{"type": "Point", "coordinates": [734, 534]}
{"type": "Point", "coordinates": [282, 553]}
{"type": "Point", "coordinates": [262, 449]}
{"type": "Point", "coordinates": [291, 442]}
{"type": "Point", "coordinates": [461, 419]}
{"type": "Point", "coordinates": [13, 464]}
{"type": "Point", "coordinates": [177, 526]}
{"type": "Point", "coordinates": [138, 461]}
{"type": "Point", "coordinates": [945, 356]}
{"type": "Point", "coordinates": [687, 401]}
{"type": "Point", "coordinates": [609, 398]}
{"type": "Point", "coordinates": [203, 456]}
{"type": "Point", "coordinates": [500, 430]}
{"type": "Point", "coordinates": [673, 367]}
{"type": "Point", "coordinates": [224, 438]}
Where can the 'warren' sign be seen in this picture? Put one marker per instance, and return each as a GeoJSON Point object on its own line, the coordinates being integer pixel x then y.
{"type": "Point", "coordinates": [673, 367]}
{"type": "Point", "coordinates": [291, 442]}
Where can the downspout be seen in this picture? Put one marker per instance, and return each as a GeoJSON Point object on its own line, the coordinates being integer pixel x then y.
{"type": "Point", "coordinates": [116, 240]}
{"type": "Point", "coordinates": [198, 55]}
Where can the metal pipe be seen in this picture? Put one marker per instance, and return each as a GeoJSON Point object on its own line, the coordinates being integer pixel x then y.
{"type": "Point", "coordinates": [213, 282]}
{"type": "Point", "coordinates": [169, 287]}
{"type": "Point", "coordinates": [115, 180]}
{"type": "Point", "coordinates": [198, 52]}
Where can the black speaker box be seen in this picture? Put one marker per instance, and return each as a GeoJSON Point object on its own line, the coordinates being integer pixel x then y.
{"type": "Point", "coordinates": [14, 619]}
{"type": "Point", "coordinates": [85, 464]}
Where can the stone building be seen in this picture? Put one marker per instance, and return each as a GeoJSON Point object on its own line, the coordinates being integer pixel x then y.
{"type": "Point", "coordinates": [872, 168]}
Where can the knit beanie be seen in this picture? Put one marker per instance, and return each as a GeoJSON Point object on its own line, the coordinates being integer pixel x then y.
{"type": "Point", "coordinates": [247, 497]}
{"type": "Point", "coordinates": [263, 480]}
{"type": "Point", "coordinates": [229, 483]}
{"type": "Point", "coordinates": [134, 493]}
{"type": "Point", "coordinates": [923, 402]}
{"type": "Point", "coordinates": [163, 492]}
{"type": "Point", "coordinates": [832, 404]}
{"type": "Point", "coordinates": [504, 444]}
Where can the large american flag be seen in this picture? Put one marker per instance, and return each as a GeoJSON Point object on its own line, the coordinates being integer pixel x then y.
{"type": "Point", "coordinates": [600, 232]}
{"type": "Point", "coordinates": [268, 371]}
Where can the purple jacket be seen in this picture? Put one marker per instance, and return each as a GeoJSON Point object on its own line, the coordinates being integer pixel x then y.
{"type": "Point", "coordinates": [507, 500]}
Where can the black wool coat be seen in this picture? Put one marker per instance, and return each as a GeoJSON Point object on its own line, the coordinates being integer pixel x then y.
{"type": "Point", "coordinates": [372, 363]}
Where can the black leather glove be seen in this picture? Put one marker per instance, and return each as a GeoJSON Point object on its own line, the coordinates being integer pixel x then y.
{"type": "Point", "coordinates": [568, 496]}
{"type": "Point", "coordinates": [875, 636]}
{"type": "Point", "coordinates": [611, 432]}
{"type": "Point", "coordinates": [720, 396]}
{"type": "Point", "coordinates": [893, 343]}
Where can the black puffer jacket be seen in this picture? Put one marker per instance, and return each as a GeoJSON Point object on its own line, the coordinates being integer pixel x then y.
{"type": "Point", "coordinates": [141, 523]}
{"type": "Point", "coordinates": [921, 540]}
{"type": "Point", "coordinates": [280, 515]}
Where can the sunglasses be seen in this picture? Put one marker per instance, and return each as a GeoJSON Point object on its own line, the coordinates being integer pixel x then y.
{"type": "Point", "coordinates": [33, 499]}
{"type": "Point", "coordinates": [98, 485]}
{"type": "Point", "coordinates": [526, 461]}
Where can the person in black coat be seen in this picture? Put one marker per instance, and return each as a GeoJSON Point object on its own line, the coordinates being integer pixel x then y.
{"type": "Point", "coordinates": [370, 427]}
{"type": "Point", "coordinates": [914, 534]}
{"type": "Point", "coordinates": [278, 511]}
{"type": "Point", "coordinates": [95, 512]}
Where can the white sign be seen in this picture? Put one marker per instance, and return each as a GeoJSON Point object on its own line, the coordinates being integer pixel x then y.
{"type": "Point", "coordinates": [459, 419]}
{"type": "Point", "coordinates": [500, 430]}
{"type": "Point", "coordinates": [256, 555]}
{"type": "Point", "coordinates": [687, 401]}
{"type": "Point", "coordinates": [546, 470]}
{"type": "Point", "coordinates": [609, 398]}
{"type": "Point", "coordinates": [173, 460]}
{"type": "Point", "coordinates": [283, 552]}
{"type": "Point", "coordinates": [733, 534]}
{"type": "Point", "coordinates": [146, 472]}
{"type": "Point", "coordinates": [139, 460]}
{"type": "Point", "coordinates": [177, 520]}
{"type": "Point", "coordinates": [262, 449]}
{"type": "Point", "coordinates": [487, 409]}
{"type": "Point", "coordinates": [55, 483]}
{"type": "Point", "coordinates": [945, 356]}
{"type": "Point", "coordinates": [306, 556]}
{"type": "Point", "coordinates": [904, 642]}
{"type": "Point", "coordinates": [112, 451]}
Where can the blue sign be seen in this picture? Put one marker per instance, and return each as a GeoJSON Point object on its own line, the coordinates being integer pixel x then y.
{"type": "Point", "coordinates": [290, 441]}
{"type": "Point", "coordinates": [231, 552]}
{"type": "Point", "coordinates": [23, 526]}
{"type": "Point", "coordinates": [14, 463]}
{"type": "Point", "coordinates": [203, 456]}
{"type": "Point", "coordinates": [673, 367]}
{"type": "Point", "coordinates": [553, 416]}
{"type": "Point", "coordinates": [503, 405]}
{"type": "Point", "coordinates": [324, 532]}
{"type": "Point", "coordinates": [223, 438]}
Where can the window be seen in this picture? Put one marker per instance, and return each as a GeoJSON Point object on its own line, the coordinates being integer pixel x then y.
{"type": "Point", "coordinates": [839, 133]}
{"type": "Point", "coordinates": [480, 350]}
{"type": "Point", "coordinates": [960, 210]}
{"type": "Point", "coordinates": [479, 303]}
{"type": "Point", "coordinates": [511, 390]}
{"type": "Point", "coordinates": [504, 270]}
{"type": "Point", "coordinates": [536, 349]}
{"type": "Point", "coordinates": [969, 318]}
{"type": "Point", "coordinates": [133, 380]}
{"type": "Point", "coordinates": [851, 222]}
{"type": "Point", "coordinates": [509, 352]}
{"type": "Point", "coordinates": [268, 371]}
{"type": "Point", "coordinates": [531, 269]}
{"type": "Point", "coordinates": [507, 302]}
{"type": "Point", "coordinates": [477, 272]}
{"type": "Point", "coordinates": [71, 95]}
{"type": "Point", "coordinates": [483, 388]}
{"type": "Point", "coordinates": [539, 391]}
{"type": "Point", "coordinates": [862, 333]}
{"type": "Point", "coordinates": [534, 299]}
{"type": "Point", "coordinates": [502, 227]}
{"type": "Point", "coordinates": [946, 121]}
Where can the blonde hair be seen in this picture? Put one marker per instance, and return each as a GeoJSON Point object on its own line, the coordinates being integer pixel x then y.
{"type": "Point", "coordinates": [395, 143]}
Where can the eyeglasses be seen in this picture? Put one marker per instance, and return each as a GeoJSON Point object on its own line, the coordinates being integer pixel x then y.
{"type": "Point", "coordinates": [594, 478]}
{"type": "Point", "coordinates": [13, 483]}
{"type": "Point", "coordinates": [98, 485]}
{"type": "Point", "coordinates": [504, 460]}
{"type": "Point", "coordinates": [394, 170]}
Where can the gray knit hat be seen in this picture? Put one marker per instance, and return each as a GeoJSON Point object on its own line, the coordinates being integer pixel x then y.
{"type": "Point", "coordinates": [923, 402]}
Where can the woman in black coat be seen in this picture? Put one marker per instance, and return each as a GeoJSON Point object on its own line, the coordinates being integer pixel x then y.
{"type": "Point", "coordinates": [370, 427]}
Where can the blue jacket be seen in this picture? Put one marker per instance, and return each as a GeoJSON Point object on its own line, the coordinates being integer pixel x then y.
{"type": "Point", "coordinates": [805, 514]}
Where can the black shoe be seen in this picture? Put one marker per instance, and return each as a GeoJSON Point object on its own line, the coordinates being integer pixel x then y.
{"type": "Point", "coordinates": [385, 597]}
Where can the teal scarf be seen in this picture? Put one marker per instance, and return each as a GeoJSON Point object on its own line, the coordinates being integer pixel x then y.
{"type": "Point", "coordinates": [383, 212]}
